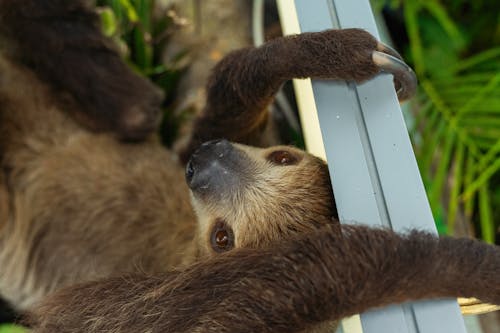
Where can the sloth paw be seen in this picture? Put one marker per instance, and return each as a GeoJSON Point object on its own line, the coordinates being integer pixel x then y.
{"type": "Point", "coordinates": [354, 54]}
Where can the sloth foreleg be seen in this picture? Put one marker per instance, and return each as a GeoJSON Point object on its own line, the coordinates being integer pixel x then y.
{"type": "Point", "coordinates": [292, 287]}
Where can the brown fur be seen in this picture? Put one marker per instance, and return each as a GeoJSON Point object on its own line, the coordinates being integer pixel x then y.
{"type": "Point", "coordinates": [61, 42]}
{"type": "Point", "coordinates": [70, 190]}
{"type": "Point", "coordinates": [290, 287]}
{"type": "Point", "coordinates": [245, 81]}
{"type": "Point", "coordinates": [79, 205]}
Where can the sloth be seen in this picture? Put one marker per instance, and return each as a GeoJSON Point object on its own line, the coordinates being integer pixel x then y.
{"type": "Point", "coordinates": [88, 191]}
{"type": "Point", "coordinates": [226, 233]}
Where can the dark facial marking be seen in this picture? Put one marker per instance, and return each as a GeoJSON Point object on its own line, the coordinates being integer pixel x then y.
{"type": "Point", "coordinates": [282, 157]}
{"type": "Point", "coordinates": [221, 237]}
{"type": "Point", "coordinates": [216, 169]}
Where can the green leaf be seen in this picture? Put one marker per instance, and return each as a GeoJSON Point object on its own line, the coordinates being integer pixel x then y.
{"type": "Point", "coordinates": [454, 200]}
{"type": "Point", "coordinates": [9, 328]}
{"type": "Point", "coordinates": [468, 179]}
{"type": "Point", "coordinates": [431, 139]}
{"type": "Point", "coordinates": [143, 50]}
{"type": "Point", "coordinates": [129, 10]}
{"type": "Point", "coordinates": [411, 10]}
{"type": "Point", "coordinates": [487, 158]}
{"type": "Point", "coordinates": [481, 179]}
{"type": "Point", "coordinates": [441, 226]}
{"type": "Point", "coordinates": [443, 165]}
{"type": "Point", "coordinates": [480, 58]}
{"type": "Point", "coordinates": [480, 94]}
{"type": "Point", "coordinates": [485, 212]}
{"type": "Point", "coordinates": [108, 21]}
{"type": "Point", "coordinates": [440, 14]}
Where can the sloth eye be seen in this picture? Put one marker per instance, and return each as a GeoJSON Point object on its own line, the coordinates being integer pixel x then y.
{"type": "Point", "coordinates": [222, 237]}
{"type": "Point", "coordinates": [282, 157]}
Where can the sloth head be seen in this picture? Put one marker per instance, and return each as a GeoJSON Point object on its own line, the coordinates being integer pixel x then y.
{"type": "Point", "coordinates": [248, 197]}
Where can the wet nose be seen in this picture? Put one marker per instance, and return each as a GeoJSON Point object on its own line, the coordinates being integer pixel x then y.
{"type": "Point", "coordinates": [207, 161]}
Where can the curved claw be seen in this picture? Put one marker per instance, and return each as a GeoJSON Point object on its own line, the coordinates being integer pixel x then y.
{"type": "Point", "coordinates": [389, 50]}
{"type": "Point", "coordinates": [404, 77]}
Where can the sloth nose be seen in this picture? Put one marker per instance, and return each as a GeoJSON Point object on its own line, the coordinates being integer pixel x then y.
{"type": "Point", "coordinates": [214, 162]}
{"type": "Point", "coordinates": [209, 150]}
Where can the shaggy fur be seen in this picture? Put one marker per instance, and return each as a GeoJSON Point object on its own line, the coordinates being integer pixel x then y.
{"type": "Point", "coordinates": [291, 287]}
{"type": "Point", "coordinates": [77, 204]}
{"type": "Point", "coordinates": [245, 81]}
{"type": "Point", "coordinates": [81, 205]}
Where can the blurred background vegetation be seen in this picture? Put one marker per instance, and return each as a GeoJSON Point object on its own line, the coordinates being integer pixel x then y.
{"type": "Point", "coordinates": [454, 47]}
{"type": "Point", "coordinates": [142, 30]}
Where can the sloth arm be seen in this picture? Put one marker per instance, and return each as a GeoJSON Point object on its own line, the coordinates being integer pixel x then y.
{"type": "Point", "coordinates": [319, 277]}
{"type": "Point", "coordinates": [244, 83]}
{"type": "Point", "coordinates": [61, 41]}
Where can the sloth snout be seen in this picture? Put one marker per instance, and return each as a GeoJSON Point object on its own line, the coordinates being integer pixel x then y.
{"type": "Point", "coordinates": [214, 166]}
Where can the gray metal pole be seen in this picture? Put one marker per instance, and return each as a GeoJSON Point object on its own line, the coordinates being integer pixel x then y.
{"type": "Point", "coordinates": [374, 173]}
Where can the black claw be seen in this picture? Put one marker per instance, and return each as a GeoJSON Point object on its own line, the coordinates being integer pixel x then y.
{"type": "Point", "coordinates": [406, 80]}
{"type": "Point", "coordinates": [389, 50]}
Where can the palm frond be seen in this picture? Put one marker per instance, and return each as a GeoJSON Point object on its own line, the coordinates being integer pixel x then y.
{"type": "Point", "coordinates": [457, 122]}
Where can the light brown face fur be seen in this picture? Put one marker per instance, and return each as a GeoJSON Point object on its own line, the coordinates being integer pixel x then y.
{"type": "Point", "coordinates": [264, 195]}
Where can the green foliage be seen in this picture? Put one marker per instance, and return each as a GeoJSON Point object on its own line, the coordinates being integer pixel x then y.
{"type": "Point", "coordinates": [453, 47]}
{"type": "Point", "coordinates": [142, 33]}
{"type": "Point", "coordinates": [8, 328]}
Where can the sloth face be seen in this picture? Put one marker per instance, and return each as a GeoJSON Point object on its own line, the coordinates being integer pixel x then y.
{"type": "Point", "coordinates": [248, 197]}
